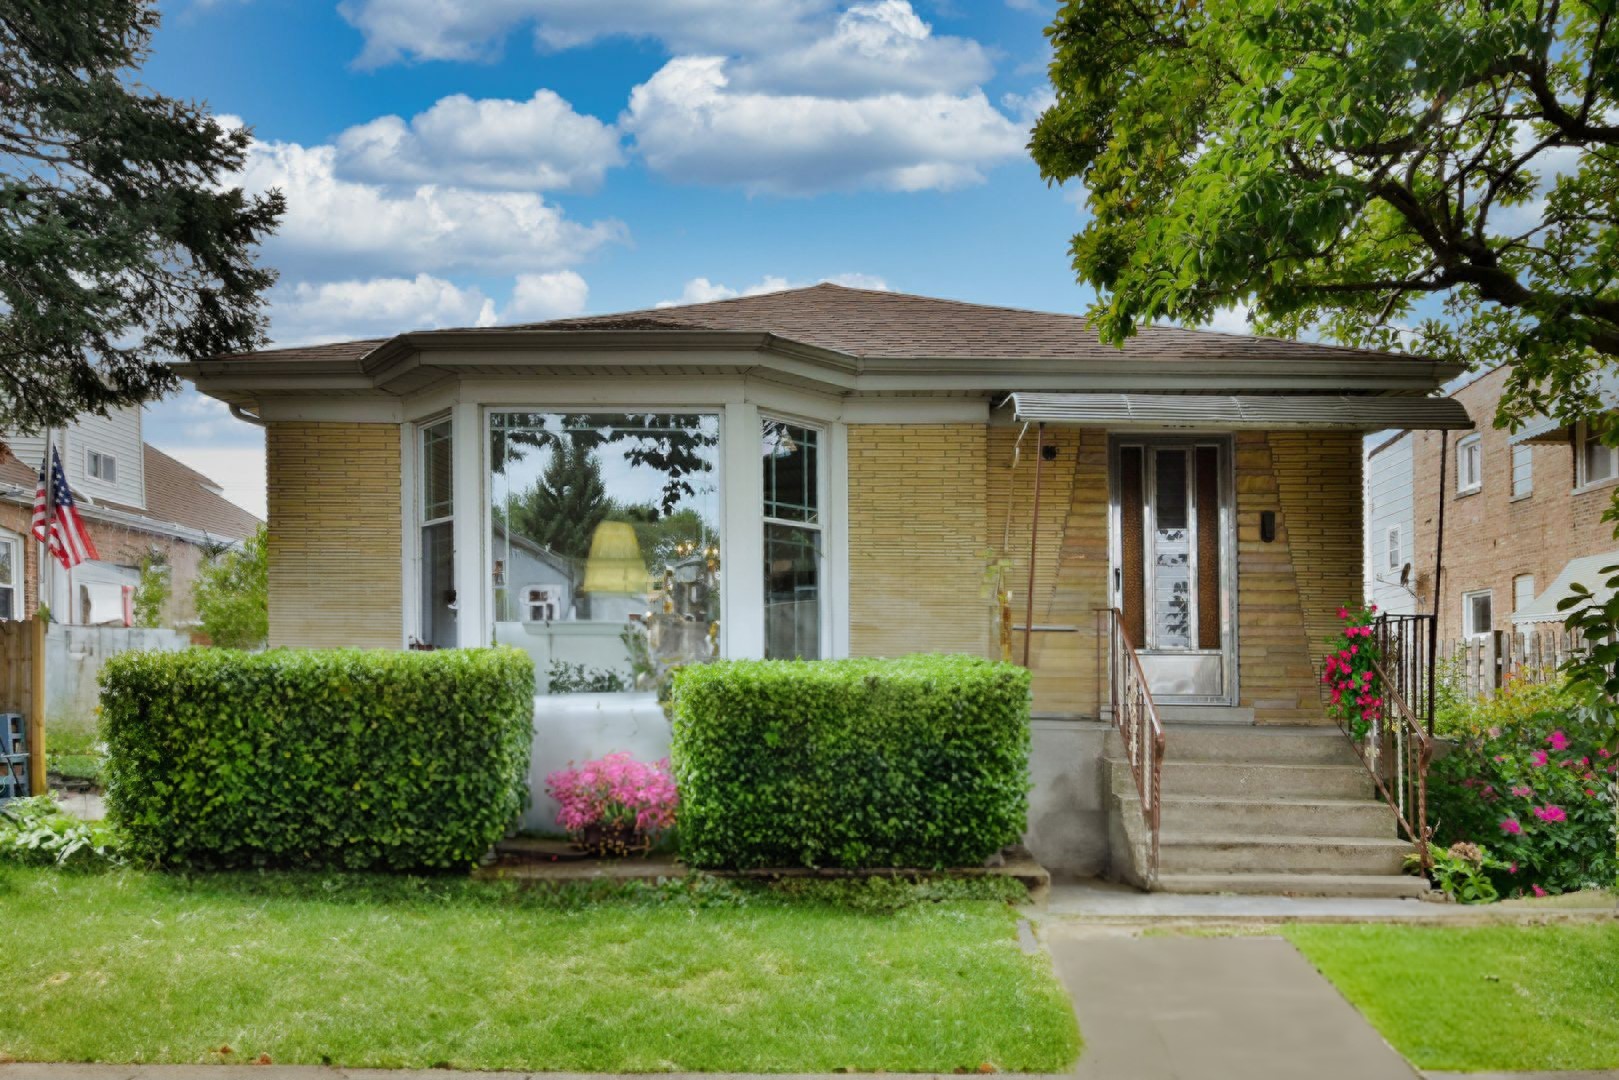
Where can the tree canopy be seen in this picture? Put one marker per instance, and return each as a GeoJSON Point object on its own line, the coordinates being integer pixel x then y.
{"type": "Point", "coordinates": [120, 245]}
{"type": "Point", "coordinates": [1438, 176]}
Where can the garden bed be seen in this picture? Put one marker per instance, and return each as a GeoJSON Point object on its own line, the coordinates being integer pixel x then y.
{"type": "Point", "coordinates": [363, 970]}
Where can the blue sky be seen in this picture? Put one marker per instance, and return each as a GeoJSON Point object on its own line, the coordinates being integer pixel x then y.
{"type": "Point", "coordinates": [511, 160]}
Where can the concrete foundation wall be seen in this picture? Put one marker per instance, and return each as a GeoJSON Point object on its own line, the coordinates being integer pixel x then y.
{"type": "Point", "coordinates": [1067, 817]}
{"type": "Point", "coordinates": [74, 656]}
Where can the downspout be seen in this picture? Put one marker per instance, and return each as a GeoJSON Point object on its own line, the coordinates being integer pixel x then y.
{"type": "Point", "coordinates": [243, 415]}
{"type": "Point", "coordinates": [1438, 570]}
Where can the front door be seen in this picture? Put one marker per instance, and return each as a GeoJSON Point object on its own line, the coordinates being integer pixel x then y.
{"type": "Point", "coordinates": [1173, 563]}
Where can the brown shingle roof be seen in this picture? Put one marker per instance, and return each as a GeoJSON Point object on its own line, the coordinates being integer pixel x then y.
{"type": "Point", "coordinates": [888, 325]}
{"type": "Point", "coordinates": [175, 493]}
{"type": "Point", "coordinates": [178, 493]}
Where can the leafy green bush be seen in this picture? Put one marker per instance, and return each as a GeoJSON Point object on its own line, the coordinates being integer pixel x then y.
{"type": "Point", "coordinates": [350, 758]}
{"type": "Point", "coordinates": [915, 762]}
{"type": "Point", "coordinates": [1462, 871]}
{"type": "Point", "coordinates": [232, 594]}
{"type": "Point", "coordinates": [1531, 779]}
{"type": "Point", "coordinates": [38, 832]}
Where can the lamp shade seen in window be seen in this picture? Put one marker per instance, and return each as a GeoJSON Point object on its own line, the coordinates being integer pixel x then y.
{"type": "Point", "coordinates": [614, 564]}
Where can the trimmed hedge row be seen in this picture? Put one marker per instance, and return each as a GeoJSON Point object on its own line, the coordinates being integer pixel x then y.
{"type": "Point", "coordinates": [359, 759]}
{"type": "Point", "coordinates": [916, 762]}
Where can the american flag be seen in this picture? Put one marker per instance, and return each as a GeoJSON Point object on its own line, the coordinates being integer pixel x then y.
{"type": "Point", "coordinates": [70, 541]}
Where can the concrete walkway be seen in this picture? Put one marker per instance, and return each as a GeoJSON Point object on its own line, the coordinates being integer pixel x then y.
{"type": "Point", "coordinates": [1232, 1008]}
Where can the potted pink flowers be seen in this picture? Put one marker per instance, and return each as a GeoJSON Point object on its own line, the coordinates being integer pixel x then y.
{"type": "Point", "coordinates": [615, 805]}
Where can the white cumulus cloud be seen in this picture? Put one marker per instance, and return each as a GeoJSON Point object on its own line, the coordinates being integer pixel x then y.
{"type": "Point", "coordinates": [536, 297]}
{"type": "Point", "coordinates": [692, 126]}
{"type": "Point", "coordinates": [377, 307]}
{"type": "Point", "coordinates": [700, 290]}
{"type": "Point", "coordinates": [539, 144]}
{"type": "Point", "coordinates": [373, 230]}
{"type": "Point", "coordinates": [396, 30]}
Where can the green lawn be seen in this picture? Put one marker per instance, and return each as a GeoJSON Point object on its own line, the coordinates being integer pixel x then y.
{"type": "Point", "coordinates": [1488, 998]}
{"type": "Point", "coordinates": [133, 967]}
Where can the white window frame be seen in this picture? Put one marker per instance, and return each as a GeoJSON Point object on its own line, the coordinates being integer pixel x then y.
{"type": "Point", "coordinates": [1469, 464]}
{"type": "Point", "coordinates": [823, 437]}
{"type": "Point", "coordinates": [1521, 602]}
{"type": "Point", "coordinates": [1468, 629]}
{"type": "Point", "coordinates": [1583, 438]}
{"type": "Point", "coordinates": [1393, 551]}
{"type": "Point", "coordinates": [18, 572]}
{"type": "Point", "coordinates": [95, 465]}
{"type": "Point", "coordinates": [418, 498]}
{"type": "Point", "coordinates": [1523, 453]}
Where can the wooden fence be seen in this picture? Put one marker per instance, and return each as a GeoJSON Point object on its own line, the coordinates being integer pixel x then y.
{"type": "Point", "coordinates": [1481, 664]}
{"type": "Point", "coordinates": [22, 688]}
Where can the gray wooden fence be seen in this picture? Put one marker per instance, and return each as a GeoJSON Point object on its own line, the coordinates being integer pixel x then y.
{"type": "Point", "coordinates": [1481, 664]}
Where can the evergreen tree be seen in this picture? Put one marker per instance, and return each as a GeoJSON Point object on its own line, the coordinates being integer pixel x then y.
{"type": "Point", "coordinates": [567, 502]}
{"type": "Point", "coordinates": [121, 244]}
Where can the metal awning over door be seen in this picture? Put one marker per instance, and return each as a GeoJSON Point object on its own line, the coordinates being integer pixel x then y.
{"type": "Point", "coordinates": [1236, 412]}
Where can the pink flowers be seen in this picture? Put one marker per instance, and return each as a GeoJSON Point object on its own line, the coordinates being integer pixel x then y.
{"type": "Point", "coordinates": [1523, 791]}
{"type": "Point", "coordinates": [1511, 827]}
{"type": "Point", "coordinates": [1539, 759]}
{"type": "Point", "coordinates": [1550, 814]}
{"type": "Point", "coordinates": [1557, 741]}
{"type": "Point", "coordinates": [618, 793]}
{"type": "Point", "coordinates": [1538, 891]}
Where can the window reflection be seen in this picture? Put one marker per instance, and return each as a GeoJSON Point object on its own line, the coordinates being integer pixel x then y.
{"type": "Point", "coordinates": [605, 544]}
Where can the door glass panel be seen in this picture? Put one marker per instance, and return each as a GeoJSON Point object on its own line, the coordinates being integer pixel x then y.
{"type": "Point", "coordinates": [1172, 567]}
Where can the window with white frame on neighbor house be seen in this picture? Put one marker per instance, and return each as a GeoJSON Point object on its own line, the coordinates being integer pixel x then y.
{"type": "Point", "coordinates": [11, 574]}
{"type": "Point", "coordinates": [1523, 591]}
{"type": "Point", "coordinates": [1393, 550]}
{"type": "Point", "coordinates": [1469, 465]}
{"type": "Point", "coordinates": [1523, 470]}
{"type": "Point", "coordinates": [101, 466]}
{"type": "Point", "coordinates": [1477, 618]}
{"type": "Point", "coordinates": [793, 540]}
{"type": "Point", "coordinates": [1594, 462]}
{"type": "Point", "coordinates": [604, 544]}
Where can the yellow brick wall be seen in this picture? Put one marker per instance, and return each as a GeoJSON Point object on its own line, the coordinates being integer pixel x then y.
{"type": "Point", "coordinates": [917, 509]}
{"type": "Point", "coordinates": [1071, 556]}
{"type": "Point", "coordinates": [1289, 591]}
{"type": "Point", "coordinates": [334, 534]}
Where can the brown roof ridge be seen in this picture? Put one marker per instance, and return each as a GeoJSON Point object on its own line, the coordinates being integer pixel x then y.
{"type": "Point", "coordinates": [374, 343]}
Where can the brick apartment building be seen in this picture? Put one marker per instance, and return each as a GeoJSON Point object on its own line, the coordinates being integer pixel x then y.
{"type": "Point", "coordinates": [1523, 518]}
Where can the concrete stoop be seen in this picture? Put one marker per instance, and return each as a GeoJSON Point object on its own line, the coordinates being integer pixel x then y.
{"type": "Point", "coordinates": [1264, 811]}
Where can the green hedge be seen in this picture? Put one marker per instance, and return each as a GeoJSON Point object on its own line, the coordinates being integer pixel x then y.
{"type": "Point", "coordinates": [917, 762]}
{"type": "Point", "coordinates": [349, 758]}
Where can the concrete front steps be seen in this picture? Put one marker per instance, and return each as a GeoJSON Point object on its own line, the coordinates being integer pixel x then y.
{"type": "Point", "coordinates": [1260, 810]}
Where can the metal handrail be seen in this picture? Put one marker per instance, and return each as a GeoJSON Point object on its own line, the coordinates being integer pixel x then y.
{"type": "Point", "coordinates": [1135, 717]}
{"type": "Point", "coordinates": [1398, 746]}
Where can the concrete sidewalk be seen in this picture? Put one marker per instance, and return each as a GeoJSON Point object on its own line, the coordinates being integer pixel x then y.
{"type": "Point", "coordinates": [1232, 1008]}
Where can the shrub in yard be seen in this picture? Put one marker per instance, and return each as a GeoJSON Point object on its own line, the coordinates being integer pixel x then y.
{"type": "Point", "coordinates": [348, 758]}
{"type": "Point", "coordinates": [1526, 778]}
{"type": "Point", "coordinates": [915, 762]}
{"type": "Point", "coordinates": [615, 805]}
{"type": "Point", "coordinates": [38, 832]}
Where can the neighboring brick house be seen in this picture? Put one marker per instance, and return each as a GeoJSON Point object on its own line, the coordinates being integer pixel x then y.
{"type": "Point", "coordinates": [1519, 510]}
{"type": "Point", "coordinates": [135, 500]}
{"type": "Point", "coordinates": [830, 472]}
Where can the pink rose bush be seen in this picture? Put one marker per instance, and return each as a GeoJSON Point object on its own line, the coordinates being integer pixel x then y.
{"type": "Point", "coordinates": [615, 805]}
{"type": "Point", "coordinates": [1524, 774]}
{"type": "Point", "coordinates": [1353, 696]}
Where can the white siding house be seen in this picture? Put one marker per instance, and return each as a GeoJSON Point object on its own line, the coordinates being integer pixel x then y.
{"type": "Point", "coordinates": [1390, 525]}
{"type": "Point", "coordinates": [102, 456]}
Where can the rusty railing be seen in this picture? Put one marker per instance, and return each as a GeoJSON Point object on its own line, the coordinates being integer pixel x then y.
{"type": "Point", "coordinates": [1135, 717]}
{"type": "Point", "coordinates": [1398, 746]}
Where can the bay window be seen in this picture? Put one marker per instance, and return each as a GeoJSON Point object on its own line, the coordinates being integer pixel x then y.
{"type": "Point", "coordinates": [437, 512]}
{"type": "Point", "coordinates": [604, 542]}
{"type": "Point", "coordinates": [793, 542]}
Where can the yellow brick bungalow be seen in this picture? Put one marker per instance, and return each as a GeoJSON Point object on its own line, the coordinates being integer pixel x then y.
{"type": "Point", "coordinates": [829, 472]}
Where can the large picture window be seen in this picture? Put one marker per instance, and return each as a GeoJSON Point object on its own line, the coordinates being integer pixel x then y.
{"type": "Point", "coordinates": [793, 540]}
{"type": "Point", "coordinates": [604, 544]}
